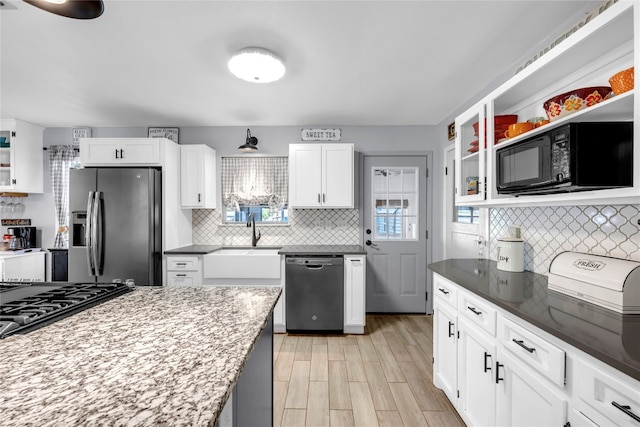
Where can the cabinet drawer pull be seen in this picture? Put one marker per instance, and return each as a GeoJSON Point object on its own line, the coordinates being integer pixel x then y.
{"type": "Point", "coordinates": [474, 311]}
{"type": "Point", "coordinates": [521, 344]}
{"type": "Point", "coordinates": [181, 263]}
{"type": "Point", "coordinates": [451, 333]}
{"type": "Point", "coordinates": [324, 198]}
{"type": "Point", "coordinates": [486, 367]}
{"type": "Point", "coordinates": [444, 291]}
{"type": "Point", "coordinates": [498, 366]}
{"type": "Point", "coordinates": [181, 275]}
{"type": "Point", "coordinates": [626, 409]}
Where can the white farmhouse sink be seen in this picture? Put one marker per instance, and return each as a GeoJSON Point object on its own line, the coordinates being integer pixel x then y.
{"type": "Point", "coordinates": [242, 263]}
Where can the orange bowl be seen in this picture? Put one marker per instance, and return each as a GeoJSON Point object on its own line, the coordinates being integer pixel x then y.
{"type": "Point", "coordinates": [622, 82]}
{"type": "Point", "coordinates": [568, 103]}
{"type": "Point", "coordinates": [503, 120]}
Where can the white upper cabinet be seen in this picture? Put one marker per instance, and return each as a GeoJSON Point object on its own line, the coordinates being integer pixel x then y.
{"type": "Point", "coordinates": [470, 175]}
{"type": "Point", "coordinates": [121, 151]}
{"type": "Point", "coordinates": [321, 175]}
{"type": "Point", "coordinates": [609, 43]}
{"type": "Point", "coordinates": [21, 157]}
{"type": "Point", "coordinates": [197, 177]}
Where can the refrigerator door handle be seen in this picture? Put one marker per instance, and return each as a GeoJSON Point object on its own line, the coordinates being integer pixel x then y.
{"type": "Point", "coordinates": [98, 233]}
{"type": "Point", "coordinates": [89, 233]}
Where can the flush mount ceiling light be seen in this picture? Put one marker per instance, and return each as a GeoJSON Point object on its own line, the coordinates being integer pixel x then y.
{"type": "Point", "coordinates": [78, 9]}
{"type": "Point", "coordinates": [256, 65]}
{"type": "Point", "coordinates": [250, 144]}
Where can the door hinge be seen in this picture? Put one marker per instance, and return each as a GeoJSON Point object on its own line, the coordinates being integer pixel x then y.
{"type": "Point", "coordinates": [13, 134]}
{"type": "Point", "coordinates": [427, 172]}
{"type": "Point", "coordinates": [427, 234]}
{"type": "Point", "coordinates": [433, 361]}
{"type": "Point", "coordinates": [458, 334]}
{"type": "Point", "coordinates": [446, 170]}
{"type": "Point", "coordinates": [426, 296]}
{"type": "Point", "coordinates": [458, 392]}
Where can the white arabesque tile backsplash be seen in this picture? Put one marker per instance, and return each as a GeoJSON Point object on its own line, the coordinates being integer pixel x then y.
{"type": "Point", "coordinates": [339, 227]}
{"type": "Point", "coordinates": [547, 231]}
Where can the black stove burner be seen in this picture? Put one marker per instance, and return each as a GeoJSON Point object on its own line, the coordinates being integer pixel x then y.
{"type": "Point", "coordinates": [28, 306]}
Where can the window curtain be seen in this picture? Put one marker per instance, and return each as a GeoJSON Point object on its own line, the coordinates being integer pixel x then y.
{"type": "Point", "coordinates": [255, 181]}
{"type": "Point", "coordinates": [61, 157]}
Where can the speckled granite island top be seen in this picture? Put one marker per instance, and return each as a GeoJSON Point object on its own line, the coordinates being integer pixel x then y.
{"type": "Point", "coordinates": [156, 356]}
{"type": "Point", "coordinates": [604, 334]}
{"type": "Point", "coordinates": [322, 250]}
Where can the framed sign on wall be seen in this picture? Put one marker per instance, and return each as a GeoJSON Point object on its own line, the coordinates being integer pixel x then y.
{"type": "Point", "coordinates": [451, 130]}
{"type": "Point", "coordinates": [169, 133]}
{"type": "Point", "coordinates": [78, 133]}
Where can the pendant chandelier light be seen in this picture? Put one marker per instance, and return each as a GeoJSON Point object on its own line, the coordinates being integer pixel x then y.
{"type": "Point", "coordinates": [250, 144]}
{"type": "Point", "coordinates": [256, 65]}
{"type": "Point", "coordinates": [78, 9]}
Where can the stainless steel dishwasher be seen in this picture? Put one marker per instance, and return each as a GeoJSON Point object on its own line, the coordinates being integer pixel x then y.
{"type": "Point", "coordinates": [314, 294]}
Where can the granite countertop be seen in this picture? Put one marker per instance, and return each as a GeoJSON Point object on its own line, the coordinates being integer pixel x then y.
{"type": "Point", "coordinates": [604, 334]}
{"type": "Point", "coordinates": [322, 250]}
{"type": "Point", "coordinates": [155, 356]}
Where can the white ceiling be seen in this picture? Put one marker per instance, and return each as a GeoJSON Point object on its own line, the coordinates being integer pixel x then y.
{"type": "Point", "coordinates": [164, 63]}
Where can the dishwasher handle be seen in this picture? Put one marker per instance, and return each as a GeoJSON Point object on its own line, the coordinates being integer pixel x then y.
{"type": "Point", "coordinates": [314, 266]}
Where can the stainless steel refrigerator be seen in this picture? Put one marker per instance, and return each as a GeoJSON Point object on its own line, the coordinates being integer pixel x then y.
{"type": "Point", "coordinates": [116, 225]}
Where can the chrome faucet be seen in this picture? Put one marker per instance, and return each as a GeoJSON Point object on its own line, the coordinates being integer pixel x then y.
{"type": "Point", "coordinates": [251, 222]}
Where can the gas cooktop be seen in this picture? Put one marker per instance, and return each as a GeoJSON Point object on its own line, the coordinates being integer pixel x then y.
{"type": "Point", "coordinates": [25, 307]}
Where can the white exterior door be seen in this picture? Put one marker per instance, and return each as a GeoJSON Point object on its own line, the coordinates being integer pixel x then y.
{"type": "Point", "coordinates": [465, 228]}
{"type": "Point", "coordinates": [395, 224]}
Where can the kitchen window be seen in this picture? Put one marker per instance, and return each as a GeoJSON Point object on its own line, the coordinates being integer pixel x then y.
{"type": "Point", "coordinates": [257, 185]}
{"type": "Point", "coordinates": [467, 215]}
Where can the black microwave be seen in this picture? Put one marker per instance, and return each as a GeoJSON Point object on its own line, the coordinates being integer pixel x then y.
{"type": "Point", "coordinates": [571, 157]}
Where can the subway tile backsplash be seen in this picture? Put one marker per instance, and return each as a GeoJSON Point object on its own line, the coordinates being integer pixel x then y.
{"type": "Point", "coordinates": [306, 227]}
{"type": "Point", "coordinates": [601, 230]}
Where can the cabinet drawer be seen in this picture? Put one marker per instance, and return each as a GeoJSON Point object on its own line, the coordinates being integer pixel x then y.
{"type": "Point", "coordinates": [616, 401]}
{"type": "Point", "coordinates": [537, 352]}
{"type": "Point", "coordinates": [183, 263]}
{"type": "Point", "coordinates": [481, 313]}
{"type": "Point", "coordinates": [445, 291]}
{"type": "Point", "coordinates": [187, 278]}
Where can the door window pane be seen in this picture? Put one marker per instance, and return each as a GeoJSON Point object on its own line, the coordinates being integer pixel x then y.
{"type": "Point", "coordinates": [395, 200]}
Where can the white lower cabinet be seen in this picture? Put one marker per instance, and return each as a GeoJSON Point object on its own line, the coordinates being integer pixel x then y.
{"type": "Point", "coordinates": [184, 270]}
{"type": "Point", "coordinates": [445, 349]}
{"type": "Point", "coordinates": [606, 398]}
{"type": "Point", "coordinates": [523, 398]}
{"type": "Point", "coordinates": [476, 375]}
{"type": "Point", "coordinates": [29, 267]}
{"type": "Point", "coordinates": [354, 294]}
{"type": "Point", "coordinates": [488, 382]}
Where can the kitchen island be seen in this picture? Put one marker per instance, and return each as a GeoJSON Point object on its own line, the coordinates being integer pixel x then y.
{"type": "Point", "coordinates": [156, 356]}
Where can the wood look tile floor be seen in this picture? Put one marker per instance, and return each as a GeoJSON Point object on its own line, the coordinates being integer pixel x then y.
{"type": "Point", "coordinates": [382, 378]}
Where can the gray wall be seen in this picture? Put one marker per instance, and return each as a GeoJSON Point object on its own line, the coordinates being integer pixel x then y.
{"type": "Point", "coordinates": [273, 140]}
